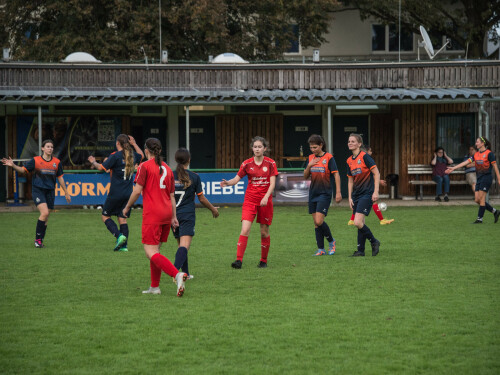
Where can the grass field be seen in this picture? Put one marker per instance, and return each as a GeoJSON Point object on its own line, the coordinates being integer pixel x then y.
{"type": "Point", "coordinates": [428, 304]}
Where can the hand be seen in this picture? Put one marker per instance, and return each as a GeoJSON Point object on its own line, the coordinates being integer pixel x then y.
{"type": "Point", "coordinates": [313, 161]}
{"type": "Point", "coordinates": [175, 222]}
{"type": "Point", "coordinates": [125, 211]}
{"type": "Point", "coordinates": [224, 183]}
{"type": "Point", "coordinates": [351, 203]}
{"type": "Point", "coordinates": [449, 170]}
{"type": "Point", "coordinates": [68, 198]}
{"type": "Point", "coordinates": [215, 213]}
{"type": "Point", "coordinates": [8, 162]}
{"type": "Point", "coordinates": [374, 197]}
{"type": "Point", "coordinates": [131, 140]}
{"type": "Point", "coordinates": [383, 183]}
{"type": "Point", "coordinates": [338, 197]}
{"type": "Point", "coordinates": [263, 202]}
{"type": "Point", "coordinates": [91, 159]}
{"type": "Point", "coordinates": [435, 155]}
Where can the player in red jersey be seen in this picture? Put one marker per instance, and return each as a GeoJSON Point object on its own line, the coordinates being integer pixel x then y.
{"type": "Point", "coordinates": [261, 172]}
{"type": "Point", "coordinates": [484, 161]}
{"type": "Point", "coordinates": [47, 169]}
{"type": "Point", "coordinates": [155, 180]}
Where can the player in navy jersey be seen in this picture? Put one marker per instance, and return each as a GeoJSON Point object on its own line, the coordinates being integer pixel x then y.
{"type": "Point", "coordinates": [484, 161]}
{"type": "Point", "coordinates": [187, 186]}
{"type": "Point", "coordinates": [47, 170]}
{"type": "Point", "coordinates": [121, 165]}
{"type": "Point", "coordinates": [323, 171]}
{"type": "Point", "coordinates": [363, 185]}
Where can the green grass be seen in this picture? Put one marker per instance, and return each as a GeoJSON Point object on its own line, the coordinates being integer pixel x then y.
{"type": "Point", "coordinates": [429, 303]}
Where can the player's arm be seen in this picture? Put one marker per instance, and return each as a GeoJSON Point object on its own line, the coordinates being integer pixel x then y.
{"type": "Point", "coordinates": [95, 164]}
{"type": "Point", "coordinates": [231, 182]}
{"type": "Point", "coordinates": [307, 171]}
{"type": "Point", "coordinates": [10, 163]}
{"type": "Point", "coordinates": [272, 184]}
{"type": "Point", "coordinates": [495, 168]}
{"type": "Point", "coordinates": [451, 169]}
{"type": "Point", "coordinates": [60, 179]}
{"type": "Point", "coordinates": [206, 203]}
{"type": "Point", "coordinates": [376, 177]}
{"type": "Point", "coordinates": [338, 194]}
{"type": "Point", "coordinates": [137, 149]}
{"type": "Point", "coordinates": [350, 185]}
{"type": "Point", "coordinates": [136, 193]}
{"type": "Point", "coordinates": [174, 222]}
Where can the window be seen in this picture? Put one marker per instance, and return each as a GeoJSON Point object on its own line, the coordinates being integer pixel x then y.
{"type": "Point", "coordinates": [456, 133]}
{"type": "Point", "coordinates": [378, 38]}
{"type": "Point", "coordinates": [385, 38]}
{"type": "Point", "coordinates": [293, 33]}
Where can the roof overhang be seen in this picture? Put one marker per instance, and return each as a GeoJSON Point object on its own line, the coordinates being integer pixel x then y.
{"type": "Point", "coordinates": [230, 96]}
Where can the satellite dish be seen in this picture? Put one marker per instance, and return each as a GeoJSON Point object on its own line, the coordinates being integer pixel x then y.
{"type": "Point", "coordinates": [427, 44]}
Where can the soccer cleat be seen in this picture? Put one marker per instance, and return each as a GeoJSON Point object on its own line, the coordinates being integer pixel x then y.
{"type": "Point", "coordinates": [331, 247]}
{"type": "Point", "coordinates": [358, 253]}
{"type": "Point", "coordinates": [319, 252]}
{"type": "Point", "coordinates": [446, 199]}
{"type": "Point", "coordinates": [386, 221]}
{"type": "Point", "coordinates": [236, 264]}
{"type": "Point", "coordinates": [119, 242]}
{"type": "Point", "coordinates": [123, 249]}
{"type": "Point", "coordinates": [437, 199]}
{"type": "Point", "coordinates": [190, 277]}
{"type": "Point", "coordinates": [262, 264]}
{"type": "Point", "coordinates": [181, 277]}
{"type": "Point", "coordinates": [478, 221]}
{"type": "Point", "coordinates": [152, 290]}
{"type": "Point", "coordinates": [375, 247]}
{"type": "Point", "coordinates": [497, 215]}
{"type": "Point", "coordinates": [350, 222]}
{"type": "Point", "coordinates": [39, 244]}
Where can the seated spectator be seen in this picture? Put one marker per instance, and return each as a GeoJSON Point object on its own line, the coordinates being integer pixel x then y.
{"type": "Point", "coordinates": [439, 163]}
{"type": "Point", "coordinates": [470, 169]}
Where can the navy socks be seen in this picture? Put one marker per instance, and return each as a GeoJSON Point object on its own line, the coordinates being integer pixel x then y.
{"type": "Point", "coordinates": [181, 258]}
{"type": "Point", "coordinates": [320, 238]}
{"type": "Point", "coordinates": [124, 231]}
{"type": "Point", "coordinates": [111, 225]}
{"type": "Point", "coordinates": [365, 231]}
{"type": "Point", "coordinates": [40, 230]}
{"type": "Point", "coordinates": [326, 232]}
{"type": "Point", "coordinates": [480, 212]}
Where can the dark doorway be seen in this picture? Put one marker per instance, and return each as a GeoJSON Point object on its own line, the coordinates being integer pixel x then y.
{"type": "Point", "coordinates": [142, 128]}
{"type": "Point", "coordinates": [342, 127]}
{"type": "Point", "coordinates": [3, 151]}
{"type": "Point", "coordinates": [296, 132]}
{"type": "Point", "coordinates": [201, 140]}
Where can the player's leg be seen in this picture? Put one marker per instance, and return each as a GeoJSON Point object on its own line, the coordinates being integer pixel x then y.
{"type": "Point", "coordinates": [480, 199]}
{"type": "Point", "coordinates": [351, 220]}
{"type": "Point", "coordinates": [377, 211]}
{"type": "Point", "coordinates": [248, 213]}
{"type": "Point", "coordinates": [265, 219]}
{"type": "Point", "coordinates": [41, 225]}
{"type": "Point", "coordinates": [122, 220]}
{"type": "Point", "coordinates": [362, 208]}
{"type": "Point", "coordinates": [50, 197]}
{"type": "Point", "coordinates": [322, 209]}
{"type": "Point", "coordinates": [181, 257]}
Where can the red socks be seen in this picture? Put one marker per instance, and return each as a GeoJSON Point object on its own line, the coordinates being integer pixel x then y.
{"type": "Point", "coordinates": [164, 264]}
{"type": "Point", "coordinates": [352, 217]}
{"type": "Point", "coordinates": [264, 248]}
{"type": "Point", "coordinates": [242, 245]}
{"type": "Point", "coordinates": [377, 211]}
{"type": "Point", "coordinates": [155, 274]}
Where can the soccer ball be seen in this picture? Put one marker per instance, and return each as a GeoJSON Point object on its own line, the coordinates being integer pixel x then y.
{"type": "Point", "coordinates": [382, 206]}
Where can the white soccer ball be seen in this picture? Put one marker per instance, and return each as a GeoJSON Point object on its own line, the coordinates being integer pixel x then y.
{"type": "Point", "coordinates": [99, 207]}
{"type": "Point", "coordinates": [382, 206]}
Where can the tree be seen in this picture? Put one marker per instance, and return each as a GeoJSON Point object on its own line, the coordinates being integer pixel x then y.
{"type": "Point", "coordinates": [466, 22]}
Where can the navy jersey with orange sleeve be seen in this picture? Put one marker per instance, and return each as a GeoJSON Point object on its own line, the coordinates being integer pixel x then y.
{"type": "Point", "coordinates": [484, 162]}
{"type": "Point", "coordinates": [184, 197]}
{"type": "Point", "coordinates": [121, 187]}
{"type": "Point", "coordinates": [46, 172]}
{"type": "Point", "coordinates": [322, 177]}
{"type": "Point", "coordinates": [359, 168]}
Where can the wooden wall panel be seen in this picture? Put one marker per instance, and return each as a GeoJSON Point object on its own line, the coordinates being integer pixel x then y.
{"type": "Point", "coordinates": [382, 144]}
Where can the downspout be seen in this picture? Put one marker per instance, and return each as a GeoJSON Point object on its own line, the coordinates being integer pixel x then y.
{"type": "Point", "coordinates": [486, 120]}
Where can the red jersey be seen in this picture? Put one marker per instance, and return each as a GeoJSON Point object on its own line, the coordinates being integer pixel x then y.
{"type": "Point", "coordinates": [157, 187]}
{"type": "Point", "coordinates": [259, 178]}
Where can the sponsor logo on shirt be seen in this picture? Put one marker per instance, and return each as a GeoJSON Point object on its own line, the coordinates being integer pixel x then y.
{"type": "Point", "coordinates": [264, 169]}
{"type": "Point", "coordinates": [324, 161]}
{"type": "Point", "coordinates": [318, 169]}
{"type": "Point", "coordinates": [356, 171]}
{"type": "Point", "coordinates": [359, 161]}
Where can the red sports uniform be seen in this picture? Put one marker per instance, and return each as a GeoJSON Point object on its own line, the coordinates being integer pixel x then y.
{"type": "Point", "coordinates": [259, 178]}
{"type": "Point", "coordinates": [157, 184]}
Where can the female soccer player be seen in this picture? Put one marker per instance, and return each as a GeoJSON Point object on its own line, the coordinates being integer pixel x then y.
{"type": "Point", "coordinates": [187, 186]}
{"type": "Point", "coordinates": [47, 169]}
{"type": "Point", "coordinates": [484, 161]}
{"type": "Point", "coordinates": [155, 181]}
{"type": "Point", "coordinates": [261, 172]}
{"type": "Point", "coordinates": [321, 169]}
{"type": "Point", "coordinates": [363, 183]}
{"type": "Point", "coordinates": [376, 209]}
{"type": "Point", "coordinates": [122, 165]}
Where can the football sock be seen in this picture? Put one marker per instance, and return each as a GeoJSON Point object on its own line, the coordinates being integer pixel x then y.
{"type": "Point", "coordinates": [241, 247]}
{"type": "Point", "coordinates": [185, 266]}
{"type": "Point", "coordinates": [264, 248]}
{"type": "Point", "coordinates": [352, 216]}
{"type": "Point", "coordinates": [361, 241]}
{"type": "Point", "coordinates": [44, 230]}
{"type": "Point", "coordinates": [124, 231]}
{"type": "Point", "coordinates": [480, 212]}
{"type": "Point", "coordinates": [155, 274]}
{"type": "Point", "coordinates": [377, 211]}
{"type": "Point", "coordinates": [326, 232]}
{"type": "Point", "coordinates": [320, 238]}
{"type": "Point", "coordinates": [367, 233]}
{"type": "Point", "coordinates": [180, 257]}
{"type": "Point", "coordinates": [111, 225]}
{"type": "Point", "coordinates": [164, 264]}
{"type": "Point", "coordinates": [40, 229]}
{"type": "Point", "coordinates": [489, 207]}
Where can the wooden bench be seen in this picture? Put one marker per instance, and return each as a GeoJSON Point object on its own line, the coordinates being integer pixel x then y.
{"type": "Point", "coordinates": [417, 170]}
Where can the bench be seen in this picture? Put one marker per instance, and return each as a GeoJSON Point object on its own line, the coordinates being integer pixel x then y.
{"type": "Point", "coordinates": [417, 170]}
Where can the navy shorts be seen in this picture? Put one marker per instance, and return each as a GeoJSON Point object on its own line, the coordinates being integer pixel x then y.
{"type": "Point", "coordinates": [363, 206]}
{"type": "Point", "coordinates": [320, 206]}
{"type": "Point", "coordinates": [114, 207]}
{"type": "Point", "coordinates": [41, 195]}
{"type": "Point", "coordinates": [484, 182]}
{"type": "Point", "coordinates": [186, 227]}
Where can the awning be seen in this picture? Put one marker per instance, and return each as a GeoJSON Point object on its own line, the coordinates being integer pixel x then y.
{"type": "Point", "coordinates": [228, 96]}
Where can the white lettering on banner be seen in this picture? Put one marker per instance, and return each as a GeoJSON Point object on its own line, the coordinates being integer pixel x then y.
{"type": "Point", "coordinates": [213, 188]}
{"type": "Point", "coordinates": [216, 188]}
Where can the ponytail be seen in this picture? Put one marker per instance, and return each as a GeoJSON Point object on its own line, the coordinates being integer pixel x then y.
{"type": "Point", "coordinates": [182, 157]}
{"type": "Point", "coordinates": [154, 146]}
{"type": "Point", "coordinates": [128, 153]}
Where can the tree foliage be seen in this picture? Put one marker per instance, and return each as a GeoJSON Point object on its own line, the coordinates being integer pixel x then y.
{"type": "Point", "coordinates": [115, 30]}
{"type": "Point", "coordinates": [466, 22]}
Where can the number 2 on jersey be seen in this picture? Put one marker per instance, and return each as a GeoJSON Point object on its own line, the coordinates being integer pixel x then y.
{"type": "Point", "coordinates": [162, 178]}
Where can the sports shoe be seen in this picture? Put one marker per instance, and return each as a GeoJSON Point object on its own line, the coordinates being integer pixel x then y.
{"type": "Point", "coordinates": [190, 277]}
{"type": "Point", "coordinates": [350, 222]}
{"type": "Point", "coordinates": [437, 199]}
{"type": "Point", "coordinates": [497, 215]}
{"type": "Point", "coordinates": [386, 221]}
{"type": "Point", "coordinates": [181, 277]}
{"type": "Point", "coordinates": [375, 247]}
{"type": "Point", "coordinates": [319, 252]}
{"type": "Point", "coordinates": [123, 249]}
{"type": "Point", "coordinates": [358, 253]}
{"type": "Point", "coordinates": [446, 199]}
{"type": "Point", "coordinates": [236, 264]}
{"type": "Point", "coordinates": [478, 221]}
{"type": "Point", "coordinates": [331, 247]}
{"type": "Point", "coordinates": [120, 241]}
{"type": "Point", "coordinates": [262, 264]}
{"type": "Point", "coordinates": [39, 243]}
{"type": "Point", "coordinates": [152, 290]}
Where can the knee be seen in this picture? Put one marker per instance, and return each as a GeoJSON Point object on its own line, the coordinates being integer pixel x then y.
{"type": "Point", "coordinates": [264, 233]}
{"type": "Point", "coordinates": [318, 222]}
{"type": "Point", "coordinates": [477, 200]}
{"type": "Point", "coordinates": [44, 215]}
{"type": "Point", "coordinates": [358, 222]}
{"type": "Point", "coordinates": [245, 232]}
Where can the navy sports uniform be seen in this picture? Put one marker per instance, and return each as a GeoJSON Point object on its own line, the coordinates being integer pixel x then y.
{"type": "Point", "coordinates": [44, 179]}
{"type": "Point", "coordinates": [321, 188]}
{"type": "Point", "coordinates": [359, 168]}
{"type": "Point", "coordinates": [483, 162]}
{"type": "Point", "coordinates": [121, 186]}
{"type": "Point", "coordinates": [185, 209]}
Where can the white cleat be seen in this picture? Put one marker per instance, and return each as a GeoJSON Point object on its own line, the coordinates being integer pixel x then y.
{"type": "Point", "coordinates": [152, 290]}
{"type": "Point", "coordinates": [181, 277]}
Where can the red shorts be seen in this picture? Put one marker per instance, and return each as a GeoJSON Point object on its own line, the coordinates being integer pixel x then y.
{"type": "Point", "coordinates": [264, 214]}
{"type": "Point", "coordinates": [153, 234]}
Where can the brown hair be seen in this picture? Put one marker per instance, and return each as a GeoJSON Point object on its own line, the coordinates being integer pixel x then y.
{"type": "Point", "coordinates": [122, 139]}
{"type": "Point", "coordinates": [264, 141]}
{"type": "Point", "coordinates": [486, 142]}
{"type": "Point", "coordinates": [182, 156]}
{"type": "Point", "coordinates": [47, 141]}
{"type": "Point", "coordinates": [316, 139]}
{"type": "Point", "coordinates": [154, 146]}
{"type": "Point", "coordinates": [358, 137]}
